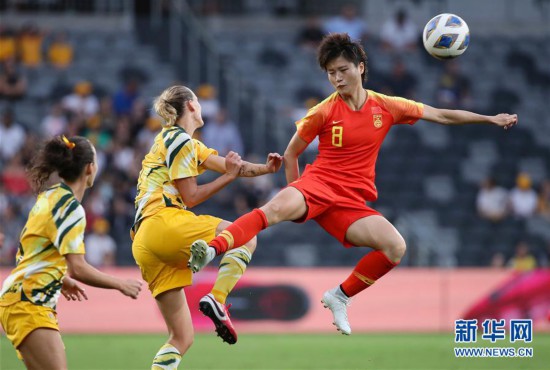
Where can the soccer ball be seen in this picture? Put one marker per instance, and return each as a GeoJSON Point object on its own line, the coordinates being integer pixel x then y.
{"type": "Point", "coordinates": [446, 36]}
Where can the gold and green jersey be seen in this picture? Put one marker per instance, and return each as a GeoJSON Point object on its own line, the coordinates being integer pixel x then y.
{"type": "Point", "coordinates": [174, 155]}
{"type": "Point", "coordinates": [55, 227]}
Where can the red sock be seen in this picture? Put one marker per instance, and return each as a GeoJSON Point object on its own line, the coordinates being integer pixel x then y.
{"type": "Point", "coordinates": [240, 232]}
{"type": "Point", "coordinates": [369, 269]}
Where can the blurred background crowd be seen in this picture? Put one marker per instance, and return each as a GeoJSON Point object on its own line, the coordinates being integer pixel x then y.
{"type": "Point", "coordinates": [465, 196]}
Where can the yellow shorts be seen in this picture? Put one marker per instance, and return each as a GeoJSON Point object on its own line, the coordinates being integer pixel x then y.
{"type": "Point", "coordinates": [22, 318]}
{"type": "Point", "coordinates": [161, 246]}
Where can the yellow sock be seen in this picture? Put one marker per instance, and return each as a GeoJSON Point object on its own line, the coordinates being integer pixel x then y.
{"type": "Point", "coordinates": [167, 358]}
{"type": "Point", "coordinates": [232, 267]}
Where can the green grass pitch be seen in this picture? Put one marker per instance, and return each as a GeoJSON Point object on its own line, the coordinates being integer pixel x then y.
{"type": "Point", "coordinates": [290, 351]}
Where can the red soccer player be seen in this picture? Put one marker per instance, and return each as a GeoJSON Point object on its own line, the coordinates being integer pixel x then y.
{"type": "Point", "coordinates": [351, 125]}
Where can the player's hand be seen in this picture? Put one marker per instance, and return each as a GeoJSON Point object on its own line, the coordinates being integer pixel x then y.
{"type": "Point", "coordinates": [72, 291]}
{"type": "Point", "coordinates": [131, 288]}
{"type": "Point", "coordinates": [274, 162]}
{"type": "Point", "coordinates": [233, 164]}
{"type": "Point", "coordinates": [505, 120]}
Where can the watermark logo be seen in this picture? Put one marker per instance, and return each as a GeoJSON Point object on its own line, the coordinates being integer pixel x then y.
{"type": "Point", "coordinates": [493, 330]}
{"type": "Point", "coordinates": [465, 331]}
{"type": "Point", "coordinates": [521, 330]}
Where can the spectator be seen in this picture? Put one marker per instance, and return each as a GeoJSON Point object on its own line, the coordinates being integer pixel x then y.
{"type": "Point", "coordinates": [123, 156]}
{"type": "Point", "coordinates": [14, 176]}
{"type": "Point", "coordinates": [12, 135]}
{"type": "Point", "coordinates": [349, 22]}
{"type": "Point", "coordinates": [209, 103]}
{"type": "Point", "coordinates": [523, 199]}
{"type": "Point", "coordinates": [399, 34]}
{"type": "Point", "coordinates": [133, 73]}
{"type": "Point", "coordinates": [96, 206]}
{"type": "Point", "coordinates": [60, 51]}
{"type": "Point", "coordinates": [492, 201]}
{"type": "Point", "coordinates": [13, 85]}
{"type": "Point", "coordinates": [401, 82]}
{"type": "Point", "coordinates": [311, 35]}
{"type": "Point", "coordinates": [138, 117]}
{"type": "Point", "coordinates": [453, 90]}
{"type": "Point", "coordinates": [544, 200]}
{"type": "Point", "coordinates": [54, 123]}
{"type": "Point", "coordinates": [123, 130]}
{"type": "Point", "coordinates": [100, 137]}
{"type": "Point", "coordinates": [498, 260]}
{"type": "Point", "coordinates": [100, 246]}
{"type": "Point", "coordinates": [12, 225]}
{"type": "Point", "coordinates": [523, 260]}
{"type": "Point", "coordinates": [124, 98]}
{"type": "Point", "coordinates": [82, 102]}
{"type": "Point", "coordinates": [8, 44]}
{"type": "Point", "coordinates": [30, 46]}
{"type": "Point", "coordinates": [223, 135]}
{"type": "Point", "coordinates": [105, 117]}
{"type": "Point", "coordinates": [146, 136]}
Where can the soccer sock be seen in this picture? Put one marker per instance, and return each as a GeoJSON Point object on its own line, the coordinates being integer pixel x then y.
{"type": "Point", "coordinates": [240, 232]}
{"type": "Point", "coordinates": [232, 267]}
{"type": "Point", "coordinates": [369, 269]}
{"type": "Point", "coordinates": [167, 358]}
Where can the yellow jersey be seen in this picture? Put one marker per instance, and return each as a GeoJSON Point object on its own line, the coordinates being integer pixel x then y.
{"type": "Point", "coordinates": [174, 155]}
{"type": "Point", "coordinates": [60, 54]}
{"type": "Point", "coordinates": [55, 227]}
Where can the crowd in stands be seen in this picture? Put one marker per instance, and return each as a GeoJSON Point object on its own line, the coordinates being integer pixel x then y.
{"type": "Point", "coordinates": [121, 127]}
{"type": "Point", "coordinates": [119, 124]}
{"type": "Point", "coordinates": [496, 204]}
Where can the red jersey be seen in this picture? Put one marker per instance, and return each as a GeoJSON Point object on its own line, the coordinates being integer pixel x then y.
{"type": "Point", "coordinates": [349, 141]}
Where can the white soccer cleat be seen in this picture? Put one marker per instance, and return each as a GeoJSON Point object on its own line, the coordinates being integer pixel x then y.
{"type": "Point", "coordinates": [201, 255]}
{"type": "Point", "coordinates": [338, 303]}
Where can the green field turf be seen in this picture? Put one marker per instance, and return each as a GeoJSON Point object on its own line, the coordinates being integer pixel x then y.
{"type": "Point", "coordinates": [296, 351]}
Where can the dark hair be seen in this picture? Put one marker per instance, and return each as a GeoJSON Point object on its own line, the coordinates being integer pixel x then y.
{"type": "Point", "coordinates": [170, 105]}
{"type": "Point", "coordinates": [57, 156]}
{"type": "Point", "coordinates": [335, 45]}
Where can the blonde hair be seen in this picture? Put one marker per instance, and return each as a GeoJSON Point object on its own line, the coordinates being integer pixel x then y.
{"type": "Point", "coordinates": [170, 105]}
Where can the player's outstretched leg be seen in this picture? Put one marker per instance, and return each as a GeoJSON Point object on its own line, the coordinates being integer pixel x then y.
{"type": "Point", "coordinates": [201, 255]}
{"type": "Point", "coordinates": [219, 314]}
{"type": "Point", "coordinates": [335, 300]}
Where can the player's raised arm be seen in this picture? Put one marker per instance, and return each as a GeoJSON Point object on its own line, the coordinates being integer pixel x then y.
{"type": "Point", "coordinates": [460, 117]}
{"type": "Point", "coordinates": [193, 194]}
{"type": "Point", "coordinates": [295, 147]}
{"type": "Point", "coordinates": [273, 164]}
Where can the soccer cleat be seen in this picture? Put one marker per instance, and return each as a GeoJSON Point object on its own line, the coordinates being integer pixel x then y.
{"type": "Point", "coordinates": [219, 315]}
{"type": "Point", "coordinates": [201, 255]}
{"type": "Point", "coordinates": [338, 304]}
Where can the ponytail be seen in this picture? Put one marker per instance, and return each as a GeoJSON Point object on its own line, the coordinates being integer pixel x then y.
{"type": "Point", "coordinates": [170, 105]}
{"type": "Point", "coordinates": [67, 157]}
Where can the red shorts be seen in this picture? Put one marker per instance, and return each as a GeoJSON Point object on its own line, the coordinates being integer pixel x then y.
{"type": "Point", "coordinates": [332, 206]}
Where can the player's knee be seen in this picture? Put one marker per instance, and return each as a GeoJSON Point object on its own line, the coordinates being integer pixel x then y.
{"type": "Point", "coordinates": [396, 250]}
{"type": "Point", "coordinates": [273, 212]}
{"type": "Point", "coordinates": [251, 245]}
